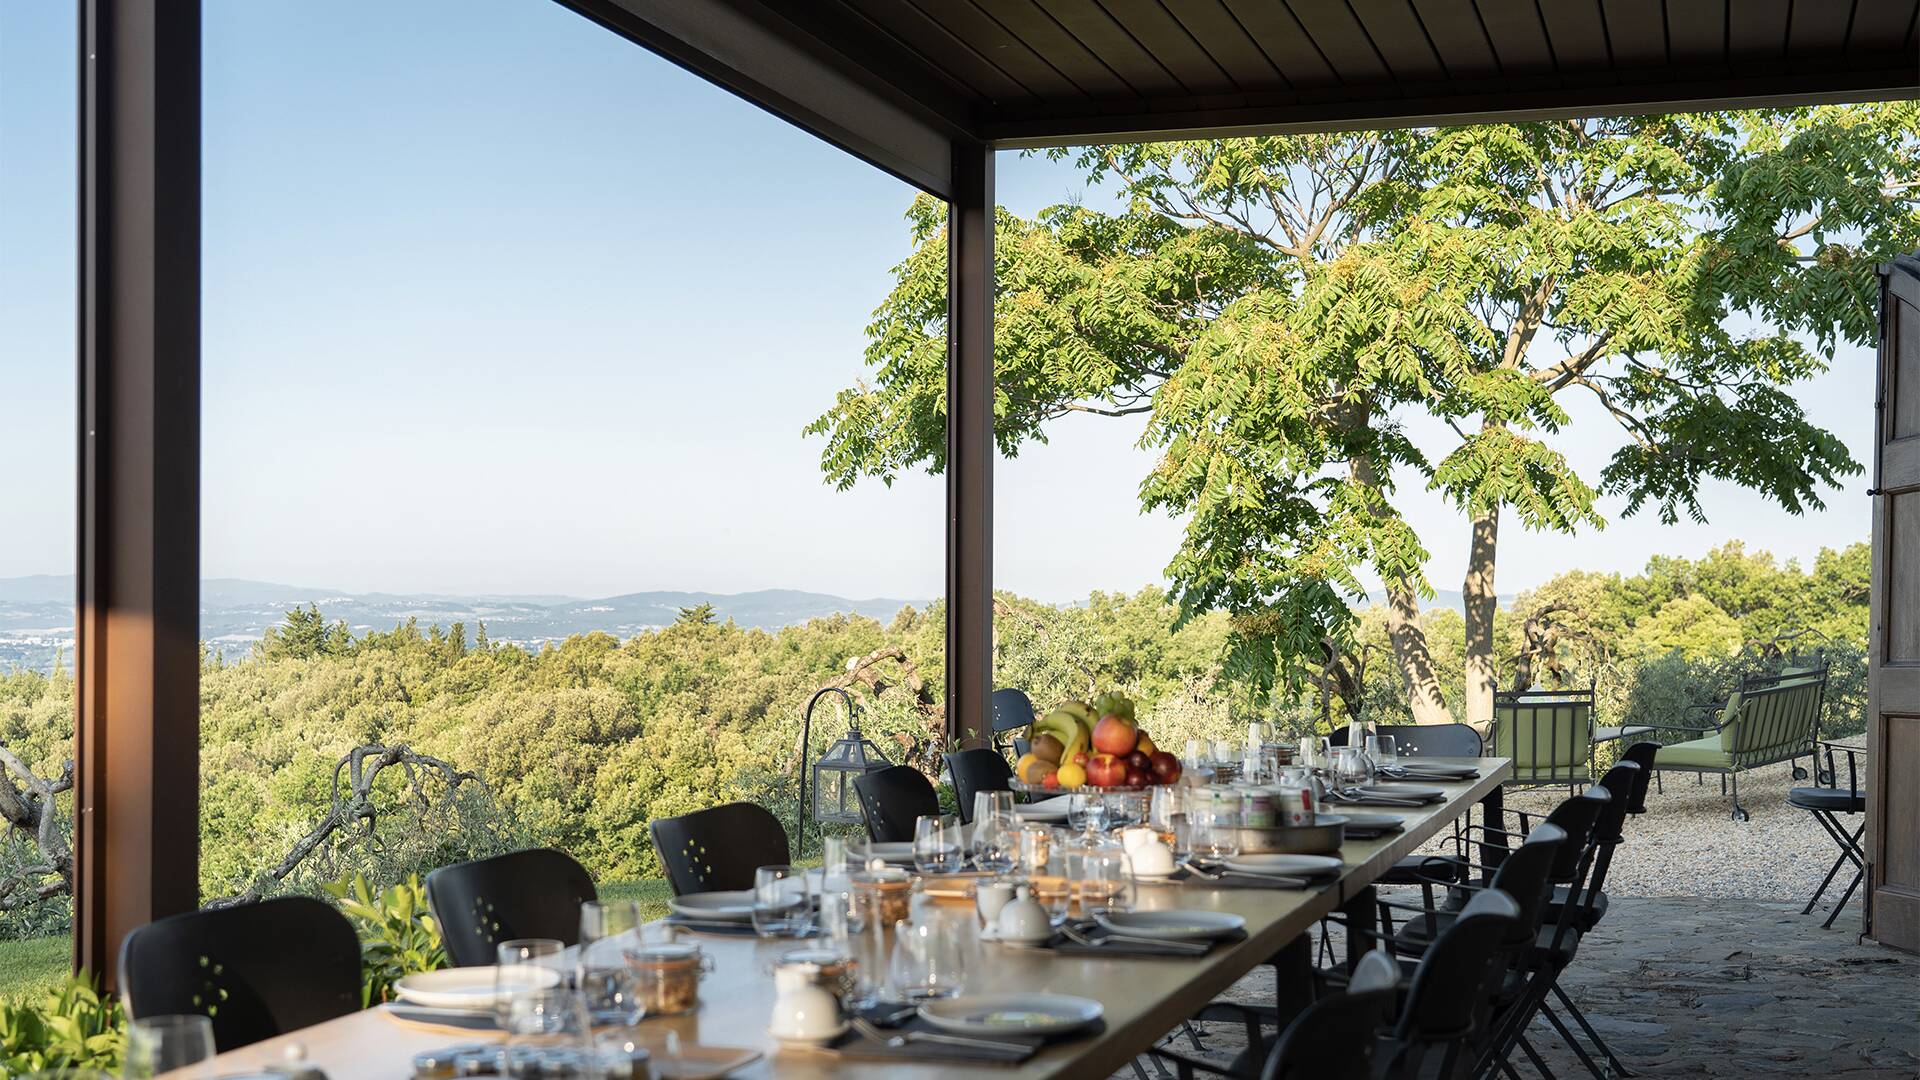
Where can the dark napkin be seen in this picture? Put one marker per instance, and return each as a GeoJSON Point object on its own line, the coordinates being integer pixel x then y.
{"type": "Point", "coordinates": [1018, 1048]}
{"type": "Point", "coordinates": [1233, 880]}
{"type": "Point", "coordinates": [722, 928]}
{"type": "Point", "coordinates": [1065, 945]}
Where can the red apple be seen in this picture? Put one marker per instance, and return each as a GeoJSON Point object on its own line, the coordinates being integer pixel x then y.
{"type": "Point", "coordinates": [1114, 735]}
{"type": "Point", "coordinates": [1138, 777]}
{"type": "Point", "coordinates": [1138, 760]}
{"type": "Point", "coordinates": [1105, 770]}
{"type": "Point", "coordinates": [1080, 758]}
{"type": "Point", "coordinates": [1166, 768]}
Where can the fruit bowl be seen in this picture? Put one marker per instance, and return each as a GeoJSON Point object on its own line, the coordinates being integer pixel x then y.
{"type": "Point", "coordinates": [1079, 746]}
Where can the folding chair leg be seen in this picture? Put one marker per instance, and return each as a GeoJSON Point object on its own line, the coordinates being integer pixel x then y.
{"type": "Point", "coordinates": [1846, 896]}
{"type": "Point", "coordinates": [1599, 1043]}
{"type": "Point", "coordinates": [1534, 1056]}
{"type": "Point", "coordinates": [1138, 1072]}
{"type": "Point", "coordinates": [1572, 1043]}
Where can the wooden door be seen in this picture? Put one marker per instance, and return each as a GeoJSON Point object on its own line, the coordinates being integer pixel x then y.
{"type": "Point", "coordinates": [1893, 647]}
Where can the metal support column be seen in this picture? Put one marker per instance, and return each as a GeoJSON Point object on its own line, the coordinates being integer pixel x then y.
{"type": "Point", "coordinates": [970, 446]}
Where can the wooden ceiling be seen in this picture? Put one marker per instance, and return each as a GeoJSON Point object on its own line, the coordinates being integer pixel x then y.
{"type": "Point", "coordinates": [1048, 72]}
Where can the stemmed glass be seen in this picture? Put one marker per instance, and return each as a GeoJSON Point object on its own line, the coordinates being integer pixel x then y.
{"type": "Point", "coordinates": [996, 841]}
{"type": "Point", "coordinates": [158, 1044]}
{"type": "Point", "coordinates": [604, 978]}
{"type": "Point", "coordinates": [988, 803]}
{"type": "Point", "coordinates": [522, 965]}
{"type": "Point", "coordinates": [1087, 811]}
{"type": "Point", "coordinates": [936, 845]}
{"type": "Point", "coordinates": [779, 901]}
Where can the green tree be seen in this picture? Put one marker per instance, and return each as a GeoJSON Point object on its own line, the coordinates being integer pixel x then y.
{"type": "Point", "coordinates": [1278, 306]}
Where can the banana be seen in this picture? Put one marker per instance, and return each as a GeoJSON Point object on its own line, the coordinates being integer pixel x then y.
{"type": "Point", "coordinates": [1080, 710]}
{"type": "Point", "coordinates": [1060, 724]}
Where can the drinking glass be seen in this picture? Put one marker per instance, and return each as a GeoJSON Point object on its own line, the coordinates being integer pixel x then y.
{"type": "Point", "coordinates": [929, 962]}
{"type": "Point", "coordinates": [525, 964]}
{"type": "Point", "coordinates": [1313, 752]}
{"type": "Point", "coordinates": [779, 901]}
{"type": "Point", "coordinates": [550, 1036]}
{"type": "Point", "coordinates": [1166, 814]}
{"type": "Point", "coordinates": [1382, 750]}
{"type": "Point", "coordinates": [988, 803]}
{"type": "Point", "coordinates": [1087, 811]}
{"type": "Point", "coordinates": [936, 845]}
{"type": "Point", "coordinates": [1350, 766]}
{"type": "Point", "coordinates": [1104, 881]}
{"type": "Point", "coordinates": [1036, 848]}
{"type": "Point", "coordinates": [157, 1044]}
{"type": "Point", "coordinates": [996, 841]}
{"type": "Point", "coordinates": [1213, 822]}
{"type": "Point", "coordinates": [607, 930]}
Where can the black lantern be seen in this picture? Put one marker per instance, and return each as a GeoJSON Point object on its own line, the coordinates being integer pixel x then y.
{"type": "Point", "coordinates": [834, 799]}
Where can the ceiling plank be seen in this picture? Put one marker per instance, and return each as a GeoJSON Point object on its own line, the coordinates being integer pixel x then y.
{"type": "Point", "coordinates": [1285, 41]}
{"type": "Point", "coordinates": [1163, 36]}
{"type": "Point", "coordinates": [1454, 27]}
{"type": "Point", "coordinates": [1881, 24]}
{"type": "Point", "coordinates": [1038, 30]}
{"type": "Point", "coordinates": [1518, 38]}
{"type": "Point", "coordinates": [1819, 25]}
{"type": "Point", "coordinates": [1578, 33]}
{"type": "Point", "coordinates": [1758, 30]}
{"type": "Point", "coordinates": [968, 23]}
{"type": "Point", "coordinates": [1090, 24]}
{"type": "Point", "coordinates": [1400, 38]}
{"type": "Point", "coordinates": [1342, 40]}
{"type": "Point", "coordinates": [932, 41]}
{"type": "Point", "coordinates": [1218, 32]}
{"type": "Point", "coordinates": [1637, 30]}
{"type": "Point", "coordinates": [1697, 31]}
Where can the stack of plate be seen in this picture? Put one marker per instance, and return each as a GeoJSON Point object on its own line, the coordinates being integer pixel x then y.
{"type": "Point", "coordinates": [988, 1015]}
{"type": "Point", "coordinates": [714, 907]}
{"type": "Point", "coordinates": [472, 989]}
{"type": "Point", "coordinates": [1173, 924]}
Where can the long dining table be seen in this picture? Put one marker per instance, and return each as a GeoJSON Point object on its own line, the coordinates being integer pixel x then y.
{"type": "Point", "coordinates": [1143, 998]}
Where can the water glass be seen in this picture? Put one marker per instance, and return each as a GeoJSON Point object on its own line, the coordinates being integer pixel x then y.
{"type": "Point", "coordinates": [1167, 816]}
{"type": "Point", "coordinates": [607, 931]}
{"type": "Point", "coordinates": [158, 1044]}
{"type": "Point", "coordinates": [936, 845]}
{"type": "Point", "coordinates": [1213, 825]}
{"type": "Point", "coordinates": [1382, 751]}
{"type": "Point", "coordinates": [522, 965]}
{"type": "Point", "coordinates": [988, 803]}
{"type": "Point", "coordinates": [1103, 881]}
{"type": "Point", "coordinates": [550, 1036]}
{"type": "Point", "coordinates": [1350, 766]}
{"type": "Point", "coordinates": [1036, 848]}
{"type": "Point", "coordinates": [996, 841]}
{"type": "Point", "coordinates": [780, 907]}
{"type": "Point", "coordinates": [929, 962]}
{"type": "Point", "coordinates": [1087, 811]}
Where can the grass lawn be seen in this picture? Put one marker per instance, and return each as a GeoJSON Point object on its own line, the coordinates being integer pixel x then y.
{"type": "Point", "coordinates": [30, 967]}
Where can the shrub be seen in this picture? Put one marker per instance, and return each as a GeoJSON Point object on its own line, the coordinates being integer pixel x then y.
{"type": "Point", "coordinates": [74, 1026]}
{"type": "Point", "coordinates": [398, 933]}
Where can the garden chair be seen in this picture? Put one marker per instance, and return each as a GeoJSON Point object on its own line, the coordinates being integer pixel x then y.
{"type": "Point", "coordinates": [1826, 800]}
{"type": "Point", "coordinates": [1012, 710]}
{"type": "Point", "coordinates": [1332, 1039]}
{"type": "Point", "coordinates": [535, 893]}
{"type": "Point", "coordinates": [975, 771]}
{"type": "Point", "coordinates": [257, 970]}
{"type": "Point", "coordinates": [1548, 734]}
{"type": "Point", "coordinates": [718, 849]}
{"type": "Point", "coordinates": [892, 799]}
{"type": "Point", "coordinates": [1769, 719]}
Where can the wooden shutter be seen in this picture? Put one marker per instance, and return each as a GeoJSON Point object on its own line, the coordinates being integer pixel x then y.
{"type": "Point", "coordinates": [1893, 657]}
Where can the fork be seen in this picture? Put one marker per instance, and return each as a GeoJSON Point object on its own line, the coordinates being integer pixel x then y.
{"type": "Point", "coordinates": [1078, 938]}
{"type": "Point", "coordinates": [1286, 880]}
{"type": "Point", "coordinates": [896, 1040]}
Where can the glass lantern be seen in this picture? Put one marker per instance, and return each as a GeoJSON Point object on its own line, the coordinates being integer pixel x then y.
{"type": "Point", "coordinates": [834, 799]}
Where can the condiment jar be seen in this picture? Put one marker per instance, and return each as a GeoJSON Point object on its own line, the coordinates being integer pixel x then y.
{"type": "Point", "coordinates": [667, 977]}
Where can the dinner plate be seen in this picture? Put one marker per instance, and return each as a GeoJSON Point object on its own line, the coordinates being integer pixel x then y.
{"type": "Point", "coordinates": [1358, 821]}
{"type": "Point", "coordinates": [893, 851]}
{"type": "Point", "coordinates": [1404, 791]}
{"type": "Point", "coordinates": [956, 886]}
{"type": "Point", "coordinates": [1174, 924]}
{"type": "Point", "coordinates": [1011, 1014]}
{"type": "Point", "coordinates": [735, 906]}
{"type": "Point", "coordinates": [1040, 812]}
{"type": "Point", "coordinates": [1303, 865]}
{"type": "Point", "coordinates": [471, 988]}
{"type": "Point", "coordinates": [1433, 770]}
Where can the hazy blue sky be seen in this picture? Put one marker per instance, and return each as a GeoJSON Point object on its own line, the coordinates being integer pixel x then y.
{"type": "Point", "coordinates": [501, 302]}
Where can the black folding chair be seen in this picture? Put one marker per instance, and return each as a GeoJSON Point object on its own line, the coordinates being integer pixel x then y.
{"type": "Point", "coordinates": [1826, 801]}
{"type": "Point", "coordinates": [1012, 710]}
{"type": "Point", "coordinates": [1332, 1039]}
{"type": "Point", "coordinates": [718, 849]}
{"type": "Point", "coordinates": [975, 771]}
{"type": "Point", "coordinates": [257, 970]}
{"type": "Point", "coordinates": [524, 894]}
{"type": "Point", "coordinates": [892, 799]}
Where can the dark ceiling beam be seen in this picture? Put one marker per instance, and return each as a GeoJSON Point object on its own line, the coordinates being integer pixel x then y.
{"type": "Point", "coordinates": [1867, 78]}
{"type": "Point", "coordinates": [817, 66]}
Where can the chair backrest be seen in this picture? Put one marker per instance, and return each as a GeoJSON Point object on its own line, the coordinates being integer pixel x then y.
{"type": "Point", "coordinates": [1547, 733]}
{"type": "Point", "coordinates": [1641, 754]}
{"type": "Point", "coordinates": [1778, 716]}
{"type": "Point", "coordinates": [975, 771]}
{"type": "Point", "coordinates": [1610, 826]}
{"type": "Point", "coordinates": [718, 849]}
{"type": "Point", "coordinates": [1580, 817]}
{"type": "Point", "coordinates": [1011, 709]}
{"type": "Point", "coordinates": [1432, 740]}
{"type": "Point", "coordinates": [257, 970]}
{"type": "Point", "coordinates": [1526, 877]}
{"type": "Point", "coordinates": [1452, 988]}
{"type": "Point", "coordinates": [1333, 1039]}
{"type": "Point", "coordinates": [535, 893]}
{"type": "Point", "coordinates": [892, 799]}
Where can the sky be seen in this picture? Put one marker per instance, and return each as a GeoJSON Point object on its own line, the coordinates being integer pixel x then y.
{"type": "Point", "coordinates": [503, 303]}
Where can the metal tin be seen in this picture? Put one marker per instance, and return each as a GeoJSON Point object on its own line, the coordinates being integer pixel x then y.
{"type": "Point", "coordinates": [1257, 809]}
{"type": "Point", "coordinates": [1323, 837]}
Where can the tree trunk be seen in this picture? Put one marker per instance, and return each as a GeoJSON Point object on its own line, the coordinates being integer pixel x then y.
{"type": "Point", "coordinates": [1481, 602]}
{"type": "Point", "coordinates": [1416, 664]}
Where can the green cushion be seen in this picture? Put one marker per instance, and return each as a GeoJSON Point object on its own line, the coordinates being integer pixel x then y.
{"type": "Point", "coordinates": [1547, 738]}
{"type": "Point", "coordinates": [1729, 730]}
{"type": "Point", "coordinates": [1698, 753]}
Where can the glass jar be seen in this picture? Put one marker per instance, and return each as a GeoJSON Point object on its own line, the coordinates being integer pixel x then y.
{"type": "Point", "coordinates": [829, 969]}
{"type": "Point", "coordinates": [883, 895]}
{"type": "Point", "coordinates": [667, 977]}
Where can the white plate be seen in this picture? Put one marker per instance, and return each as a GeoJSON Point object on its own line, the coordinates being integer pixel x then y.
{"type": "Point", "coordinates": [1304, 865]}
{"type": "Point", "coordinates": [1365, 822]}
{"type": "Point", "coordinates": [470, 988]}
{"type": "Point", "coordinates": [736, 906]}
{"type": "Point", "coordinates": [1179, 924]}
{"type": "Point", "coordinates": [1405, 791]}
{"type": "Point", "coordinates": [1040, 812]}
{"type": "Point", "coordinates": [1011, 1014]}
{"type": "Point", "coordinates": [893, 851]}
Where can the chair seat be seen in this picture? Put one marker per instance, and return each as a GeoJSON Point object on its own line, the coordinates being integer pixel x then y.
{"type": "Point", "coordinates": [1586, 923]}
{"type": "Point", "coordinates": [1694, 754]}
{"type": "Point", "coordinates": [1836, 800]}
{"type": "Point", "coordinates": [1422, 869]}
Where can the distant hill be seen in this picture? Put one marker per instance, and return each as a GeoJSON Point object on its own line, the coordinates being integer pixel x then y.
{"type": "Point", "coordinates": [36, 613]}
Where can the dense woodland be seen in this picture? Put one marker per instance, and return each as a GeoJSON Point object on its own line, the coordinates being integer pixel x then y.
{"type": "Point", "coordinates": [581, 744]}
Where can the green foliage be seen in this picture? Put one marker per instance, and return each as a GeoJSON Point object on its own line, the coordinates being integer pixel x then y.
{"type": "Point", "coordinates": [398, 933]}
{"type": "Point", "coordinates": [73, 1026]}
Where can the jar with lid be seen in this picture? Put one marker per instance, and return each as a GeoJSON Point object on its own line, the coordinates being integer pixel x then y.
{"type": "Point", "coordinates": [667, 976]}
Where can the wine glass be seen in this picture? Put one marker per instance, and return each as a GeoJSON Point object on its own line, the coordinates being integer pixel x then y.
{"type": "Point", "coordinates": [988, 803]}
{"type": "Point", "coordinates": [779, 901]}
{"type": "Point", "coordinates": [603, 975]}
{"type": "Point", "coordinates": [936, 845]}
{"type": "Point", "coordinates": [158, 1044]}
{"type": "Point", "coordinates": [1167, 815]}
{"type": "Point", "coordinates": [1087, 811]}
{"type": "Point", "coordinates": [996, 841]}
{"type": "Point", "coordinates": [929, 962]}
{"type": "Point", "coordinates": [550, 1036]}
{"type": "Point", "coordinates": [524, 964]}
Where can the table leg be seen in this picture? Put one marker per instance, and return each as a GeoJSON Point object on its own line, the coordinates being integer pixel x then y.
{"type": "Point", "coordinates": [1293, 979]}
{"type": "Point", "coordinates": [1363, 924]}
{"type": "Point", "coordinates": [1493, 846]}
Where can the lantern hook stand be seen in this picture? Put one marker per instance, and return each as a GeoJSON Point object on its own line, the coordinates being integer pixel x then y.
{"type": "Point", "coordinates": [806, 742]}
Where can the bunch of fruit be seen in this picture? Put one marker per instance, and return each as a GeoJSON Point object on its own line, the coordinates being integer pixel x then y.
{"type": "Point", "coordinates": [1078, 744]}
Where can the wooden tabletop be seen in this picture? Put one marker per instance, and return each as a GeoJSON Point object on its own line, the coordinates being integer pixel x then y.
{"type": "Point", "coordinates": [1144, 998]}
